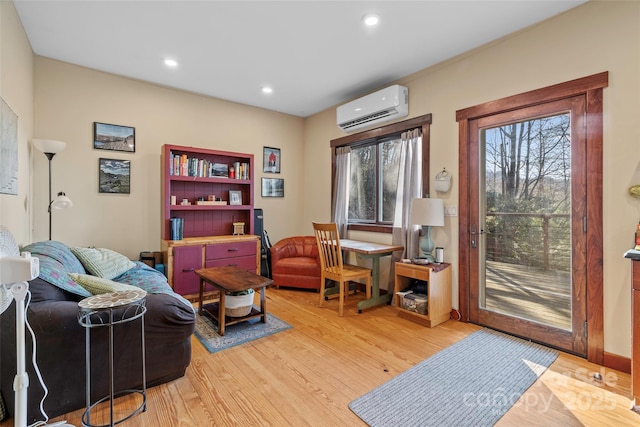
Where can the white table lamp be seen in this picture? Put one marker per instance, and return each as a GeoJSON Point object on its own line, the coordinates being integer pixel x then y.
{"type": "Point", "coordinates": [427, 213]}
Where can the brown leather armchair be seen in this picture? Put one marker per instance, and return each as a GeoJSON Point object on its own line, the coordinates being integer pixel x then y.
{"type": "Point", "coordinates": [295, 263]}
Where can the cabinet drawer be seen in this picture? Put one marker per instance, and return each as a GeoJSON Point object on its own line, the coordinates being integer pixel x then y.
{"type": "Point", "coordinates": [246, 262]}
{"type": "Point", "coordinates": [230, 250]}
{"type": "Point", "coordinates": [409, 270]}
{"type": "Point", "coordinates": [186, 260]}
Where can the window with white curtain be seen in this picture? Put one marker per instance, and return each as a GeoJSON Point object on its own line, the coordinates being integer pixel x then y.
{"type": "Point", "coordinates": [374, 160]}
{"type": "Point", "coordinates": [373, 183]}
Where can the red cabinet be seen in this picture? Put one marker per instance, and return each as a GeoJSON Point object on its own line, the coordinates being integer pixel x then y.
{"type": "Point", "coordinates": [186, 260]}
{"type": "Point", "coordinates": [239, 254]}
{"type": "Point", "coordinates": [199, 188]}
{"type": "Point", "coordinates": [191, 176]}
{"type": "Point", "coordinates": [183, 257]}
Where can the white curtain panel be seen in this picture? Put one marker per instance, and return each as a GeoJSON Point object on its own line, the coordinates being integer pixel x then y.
{"type": "Point", "coordinates": [409, 187]}
{"type": "Point", "coordinates": [341, 194]}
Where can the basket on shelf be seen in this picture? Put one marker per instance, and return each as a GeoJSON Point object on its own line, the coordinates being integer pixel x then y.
{"type": "Point", "coordinates": [238, 304]}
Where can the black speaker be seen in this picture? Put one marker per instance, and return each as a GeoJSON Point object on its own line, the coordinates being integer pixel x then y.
{"type": "Point", "coordinates": [258, 222]}
{"type": "Point", "coordinates": [265, 253]}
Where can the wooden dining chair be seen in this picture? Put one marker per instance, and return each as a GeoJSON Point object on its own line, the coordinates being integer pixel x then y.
{"type": "Point", "coordinates": [332, 266]}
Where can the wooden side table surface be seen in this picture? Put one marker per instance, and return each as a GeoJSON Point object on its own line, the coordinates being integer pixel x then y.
{"type": "Point", "coordinates": [232, 279]}
{"type": "Point", "coordinates": [438, 283]}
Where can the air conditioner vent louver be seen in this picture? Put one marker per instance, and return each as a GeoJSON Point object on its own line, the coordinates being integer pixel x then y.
{"type": "Point", "coordinates": [378, 107]}
{"type": "Point", "coordinates": [366, 119]}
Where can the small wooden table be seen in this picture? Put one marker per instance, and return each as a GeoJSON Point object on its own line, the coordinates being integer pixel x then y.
{"type": "Point", "coordinates": [374, 251]}
{"type": "Point", "coordinates": [438, 288]}
{"type": "Point", "coordinates": [232, 279]}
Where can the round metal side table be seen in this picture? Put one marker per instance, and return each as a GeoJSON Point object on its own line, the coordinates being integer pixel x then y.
{"type": "Point", "coordinates": [109, 310]}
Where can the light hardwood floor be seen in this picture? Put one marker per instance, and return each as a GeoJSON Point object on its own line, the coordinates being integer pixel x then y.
{"type": "Point", "coordinates": [307, 375]}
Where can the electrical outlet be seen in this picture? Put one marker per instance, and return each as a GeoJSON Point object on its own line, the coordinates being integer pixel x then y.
{"type": "Point", "coordinates": [450, 211]}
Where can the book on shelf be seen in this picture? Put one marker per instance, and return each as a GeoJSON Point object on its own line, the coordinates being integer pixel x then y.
{"type": "Point", "coordinates": [182, 165]}
{"type": "Point", "coordinates": [242, 170]}
{"type": "Point", "coordinates": [177, 228]}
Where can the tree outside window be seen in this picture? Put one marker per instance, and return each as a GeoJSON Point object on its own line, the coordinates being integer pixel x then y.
{"type": "Point", "coordinates": [374, 178]}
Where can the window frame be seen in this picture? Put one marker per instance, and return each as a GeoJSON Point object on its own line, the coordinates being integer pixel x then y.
{"type": "Point", "coordinates": [378, 135]}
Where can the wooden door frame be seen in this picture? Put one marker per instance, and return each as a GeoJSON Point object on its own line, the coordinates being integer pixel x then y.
{"type": "Point", "coordinates": [592, 88]}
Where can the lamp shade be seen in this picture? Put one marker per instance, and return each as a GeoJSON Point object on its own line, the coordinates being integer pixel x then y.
{"type": "Point", "coordinates": [61, 202]}
{"type": "Point", "coordinates": [48, 145]}
{"type": "Point", "coordinates": [426, 212]}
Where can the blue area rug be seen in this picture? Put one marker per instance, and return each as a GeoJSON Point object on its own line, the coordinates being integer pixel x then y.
{"type": "Point", "coordinates": [240, 333]}
{"type": "Point", "coordinates": [474, 382]}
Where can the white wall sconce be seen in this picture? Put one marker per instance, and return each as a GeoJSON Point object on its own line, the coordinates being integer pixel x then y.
{"type": "Point", "coordinates": [443, 181]}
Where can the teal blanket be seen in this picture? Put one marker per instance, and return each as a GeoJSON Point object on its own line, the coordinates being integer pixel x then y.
{"type": "Point", "coordinates": [57, 260]}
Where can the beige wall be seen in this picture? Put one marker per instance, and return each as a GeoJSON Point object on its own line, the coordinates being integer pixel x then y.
{"type": "Point", "coordinates": [68, 99]}
{"type": "Point", "coordinates": [595, 37]}
{"type": "Point", "coordinates": [16, 89]}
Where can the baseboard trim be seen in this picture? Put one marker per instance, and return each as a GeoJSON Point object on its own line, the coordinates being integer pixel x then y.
{"type": "Point", "coordinates": [619, 363]}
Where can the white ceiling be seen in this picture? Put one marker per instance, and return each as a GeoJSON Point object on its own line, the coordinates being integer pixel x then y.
{"type": "Point", "coordinates": [314, 54]}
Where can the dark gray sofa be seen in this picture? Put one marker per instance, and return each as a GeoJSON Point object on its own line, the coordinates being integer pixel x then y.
{"type": "Point", "coordinates": [53, 315]}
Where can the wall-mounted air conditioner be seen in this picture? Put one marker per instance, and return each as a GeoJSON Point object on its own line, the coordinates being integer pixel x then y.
{"type": "Point", "coordinates": [382, 106]}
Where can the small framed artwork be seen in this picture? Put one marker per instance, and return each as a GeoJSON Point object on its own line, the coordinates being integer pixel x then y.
{"type": "Point", "coordinates": [114, 176]}
{"type": "Point", "coordinates": [272, 187]}
{"type": "Point", "coordinates": [219, 169]}
{"type": "Point", "coordinates": [114, 137]}
{"type": "Point", "coordinates": [271, 160]}
{"type": "Point", "coordinates": [8, 149]}
{"type": "Point", "coordinates": [235, 197]}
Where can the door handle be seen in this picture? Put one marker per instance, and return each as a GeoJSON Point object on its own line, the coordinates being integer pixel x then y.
{"type": "Point", "coordinates": [188, 270]}
{"type": "Point", "coordinates": [474, 243]}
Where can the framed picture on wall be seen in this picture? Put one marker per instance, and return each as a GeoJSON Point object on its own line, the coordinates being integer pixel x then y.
{"type": "Point", "coordinates": [271, 160]}
{"type": "Point", "coordinates": [114, 176]}
{"type": "Point", "coordinates": [272, 187]}
{"type": "Point", "coordinates": [114, 137]}
{"type": "Point", "coordinates": [8, 149]}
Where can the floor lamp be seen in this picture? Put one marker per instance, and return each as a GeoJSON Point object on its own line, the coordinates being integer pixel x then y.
{"type": "Point", "coordinates": [427, 213]}
{"type": "Point", "coordinates": [15, 271]}
{"type": "Point", "coordinates": [50, 148]}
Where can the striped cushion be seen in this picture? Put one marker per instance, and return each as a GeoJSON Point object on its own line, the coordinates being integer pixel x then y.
{"type": "Point", "coordinates": [102, 262]}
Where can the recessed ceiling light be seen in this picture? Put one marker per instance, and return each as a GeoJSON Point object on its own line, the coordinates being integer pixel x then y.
{"type": "Point", "coordinates": [170, 62]}
{"type": "Point", "coordinates": [267, 89]}
{"type": "Point", "coordinates": [370, 20]}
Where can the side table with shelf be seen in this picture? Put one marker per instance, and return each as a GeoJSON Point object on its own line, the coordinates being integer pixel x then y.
{"type": "Point", "coordinates": [438, 279]}
{"type": "Point", "coordinates": [231, 279]}
{"type": "Point", "coordinates": [109, 310]}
